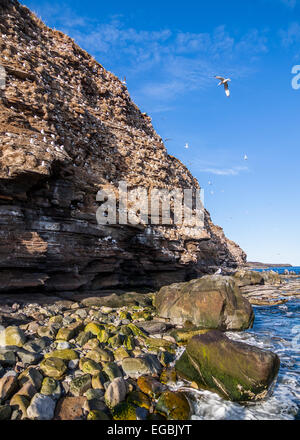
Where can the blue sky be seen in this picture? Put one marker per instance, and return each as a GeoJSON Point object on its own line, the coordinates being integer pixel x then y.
{"type": "Point", "coordinates": [169, 52]}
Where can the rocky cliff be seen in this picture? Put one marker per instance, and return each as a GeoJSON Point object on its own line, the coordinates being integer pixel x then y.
{"type": "Point", "coordinates": [68, 127]}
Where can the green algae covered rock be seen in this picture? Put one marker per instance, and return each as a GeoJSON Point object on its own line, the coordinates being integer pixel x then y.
{"type": "Point", "coordinates": [112, 370]}
{"type": "Point", "coordinates": [235, 370]}
{"type": "Point", "coordinates": [100, 355]}
{"type": "Point", "coordinates": [168, 375]}
{"type": "Point", "coordinates": [150, 386]}
{"type": "Point", "coordinates": [89, 366]}
{"type": "Point", "coordinates": [124, 411]}
{"type": "Point", "coordinates": [103, 336]}
{"type": "Point", "coordinates": [69, 332]}
{"type": "Point", "coordinates": [184, 335]}
{"type": "Point", "coordinates": [173, 405]}
{"type": "Point", "coordinates": [138, 398]}
{"type": "Point", "coordinates": [51, 387]}
{"type": "Point", "coordinates": [53, 367]}
{"type": "Point", "coordinates": [66, 354]}
{"type": "Point", "coordinates": [12, 335]}
{"type": "Point", "coordinates": [93, 328]}
{"type": "Point", "coordinates": [80, 385]}
{"type": "Point", "coordinates": [97, 415]}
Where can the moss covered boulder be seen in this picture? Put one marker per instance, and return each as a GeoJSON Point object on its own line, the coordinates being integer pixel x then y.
{"type": "Point", "coordinates": [150, 386]}
{"type": "Point", "coordinates": [235, 370]}
{"type": "Point", "coordinates": [89, 366]}
{"type": "Point", "coordinates": [210, 302]}
{"type": "Point", "coordinates": [53, 367]}
{"type": "Point", "coordinates": [12, 335]}
{"type": "Point", "coordinates": [124, 411]}
{"type": "Point", "coordinates": [66, 354]}
{"type": "Point", "coordinates": [80, 385]}
{"type": "Point", "coordinates": [100, 355]}
{"type": "Point", "coordinates": [173, 405]}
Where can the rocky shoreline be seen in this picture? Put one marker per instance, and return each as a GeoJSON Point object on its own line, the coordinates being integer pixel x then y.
{"type": "Point", "coordinates": [117, 357]}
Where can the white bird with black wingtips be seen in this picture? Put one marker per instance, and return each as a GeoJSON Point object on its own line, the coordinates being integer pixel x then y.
{"type": "Point", "coordinates": [224, 81]}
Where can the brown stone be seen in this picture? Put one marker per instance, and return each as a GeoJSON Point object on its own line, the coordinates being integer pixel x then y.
{"type": "Point", "coordinates": [70, 408]}
{"type": "Point", "coordinates": [8, 385]}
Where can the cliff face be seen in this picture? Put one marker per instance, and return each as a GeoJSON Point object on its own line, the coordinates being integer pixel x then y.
{"type": "Point", "coordinates": [67, 128]}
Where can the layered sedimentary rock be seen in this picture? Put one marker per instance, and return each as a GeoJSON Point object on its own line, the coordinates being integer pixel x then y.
{"type": "Point", "coordinates": [69, 128]}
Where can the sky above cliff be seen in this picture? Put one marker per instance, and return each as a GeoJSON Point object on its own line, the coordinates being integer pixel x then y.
{"type": "Point", "coordinates": [169, 52]}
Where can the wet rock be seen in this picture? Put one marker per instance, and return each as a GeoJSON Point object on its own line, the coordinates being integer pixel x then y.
{"type": "Point", "coordinates": [235, 370]}
{"type": "Point", "coordinates": [166, 358]}
{"type": "Point", "coordinates": [168, 375]}
{"type": "Point", "coordinates": [138, 398]}
{"type": "Point", "coordinates": [213, 302]}
{"type": "Point", "coordinates": [150, 386]}
{"type": "Point", "coordinates": [116, 392]}
{"type": "Point", "coordinates": [173, 405]}
{"type": "Point", "coordinates": [41, 408]}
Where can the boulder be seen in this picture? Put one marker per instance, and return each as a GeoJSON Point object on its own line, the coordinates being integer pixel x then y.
{"type": "Point", "coordinates": [235, 370]}
{"type": "Point", "coordinates": [70, 408]}
{"type": "Point", "coordinates": [116, 392]}
{"type": "Point", "coordinates": [212, 302]}
{"type": "Point", "coordinates": [248, 277]}
{"type": "Point", "coordinates": [174, 406]}
{"type": "Point", "coordinates": [135, 367]}
{"type": "Point", "coordinates": [41, 408]}
{"type": "Point", "coordinates": [12, 335]}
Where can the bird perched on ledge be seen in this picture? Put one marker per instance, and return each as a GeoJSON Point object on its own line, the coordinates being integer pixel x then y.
{"type": "Point", "coordinates": [225, 83]}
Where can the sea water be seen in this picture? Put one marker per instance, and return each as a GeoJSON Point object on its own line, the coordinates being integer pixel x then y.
{"type": "Point", "coordinates": [276, 328]}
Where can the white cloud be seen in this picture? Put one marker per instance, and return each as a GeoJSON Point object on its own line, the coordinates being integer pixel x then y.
{"type": "Point", "coordinates": [172, 62]}
{"type": "Point", "coordinates": [291, 35]}
{"type": "Point", "coordinates": [234, 171]}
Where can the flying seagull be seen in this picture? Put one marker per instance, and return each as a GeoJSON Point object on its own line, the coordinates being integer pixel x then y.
{"type": "Point", "coordinates": [225, 83]}
{"type": "Point", "coordinates": [186, 146]}
{"type": "Point", "coordinates": [245, 157]}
